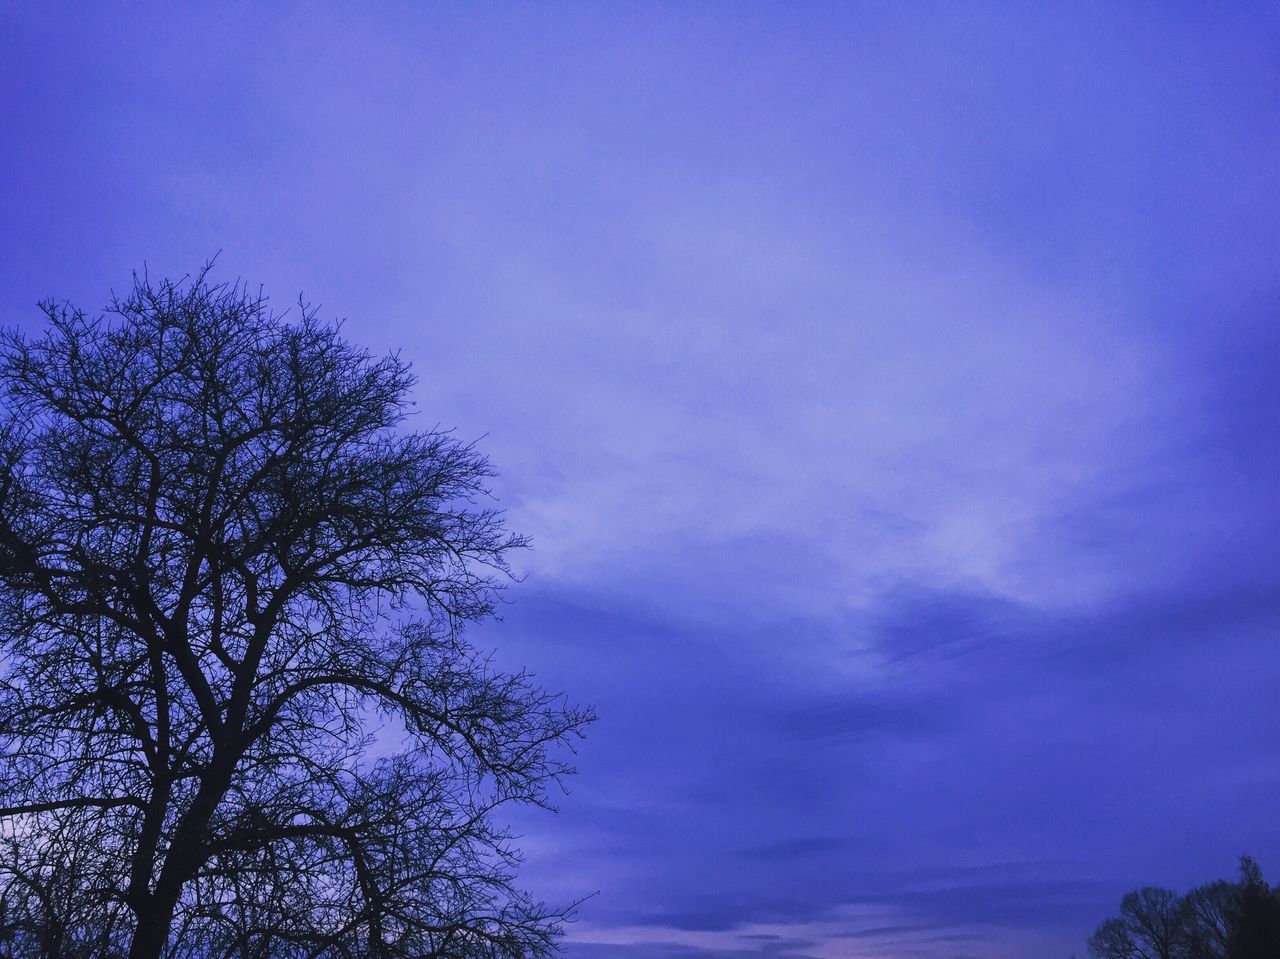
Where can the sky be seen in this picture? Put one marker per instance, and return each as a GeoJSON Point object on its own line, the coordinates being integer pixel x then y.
{"type": "Point", "coordinates": [890, 391]}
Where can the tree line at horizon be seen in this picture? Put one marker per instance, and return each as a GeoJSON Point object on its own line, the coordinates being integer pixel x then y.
{"type": "Point", "coordinates": [1217, 920]}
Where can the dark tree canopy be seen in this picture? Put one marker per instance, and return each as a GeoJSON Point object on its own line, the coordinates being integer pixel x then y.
{"type": "Point", "coordinates": [1219, 920]}
{"type": "Point", "coordinates": [223, 561]}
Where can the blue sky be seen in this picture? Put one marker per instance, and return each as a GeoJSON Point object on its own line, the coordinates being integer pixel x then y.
{"type": "Point", "coordinates": [890, 391]}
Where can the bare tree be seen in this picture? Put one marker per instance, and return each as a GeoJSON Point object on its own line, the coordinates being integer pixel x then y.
{"type": "Point", "coordinates": [1211, 912]}
{"type": "Point", "coordinates": [1151, 925]}
{"type": "Point", "coordinates": [1155, 916]}
{"type": "Point", "coordinates": [1113, 940]}
{"type": "Point", "coordinates": [223, 563]}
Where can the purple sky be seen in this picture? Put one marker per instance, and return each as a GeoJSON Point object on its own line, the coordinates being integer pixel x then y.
{"type": "Point", "coordinates": [891, 391]}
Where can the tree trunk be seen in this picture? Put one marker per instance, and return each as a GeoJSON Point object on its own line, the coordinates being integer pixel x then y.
{"type": "Point", "coordinates": [152, 932]}
{"type": "Point", "coordinates": [180, 862]}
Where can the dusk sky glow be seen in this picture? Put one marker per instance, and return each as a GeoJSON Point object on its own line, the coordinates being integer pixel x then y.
{"type": "Point", "coordinates": [891, 392]}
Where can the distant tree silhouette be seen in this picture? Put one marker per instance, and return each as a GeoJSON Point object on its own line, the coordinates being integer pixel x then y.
{"type": "Point", "coordinates": [1211, 913]}
{"type": "Point", "coordinates": [223, 563]}
{"type": "Point", "coordinates": [1256, 934]}
{"type": "Point", "coordinates": [1219, 920]}
{"type": "Point", "coordinates": [1150, 927]}
{"type": "Point", "coordinates": [1113, 940]}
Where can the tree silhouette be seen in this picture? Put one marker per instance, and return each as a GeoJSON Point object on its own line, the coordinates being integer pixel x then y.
{"type": "Point", "coordinates": [1219, 920]}
{"type": "Point", "coordinates": [1113, 940]}
{"type": "Point", "coordinates": [1150, 926]}
{"type": "Point", "coordinates": [1211, 913]}
{"type": "Point", "coordinates": [224, 563]}
{"type": "Point", "coordinates": [1256, 934]}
